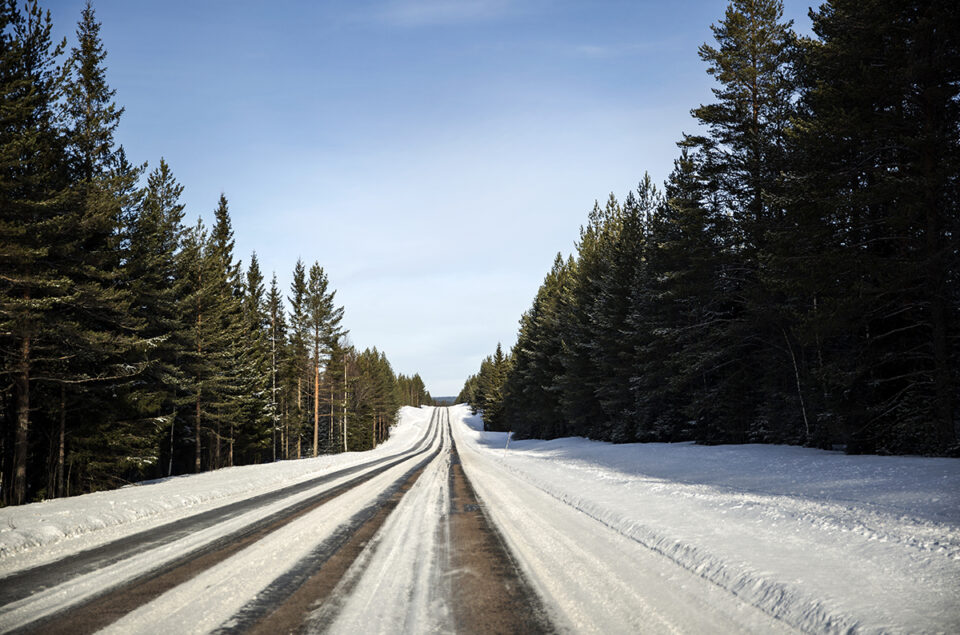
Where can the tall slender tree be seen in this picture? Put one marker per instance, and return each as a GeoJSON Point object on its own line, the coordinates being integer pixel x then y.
{"type": "Point", "coordinates": [158, 294]}
{"type": "Point", "coordinates": [276, 337]}
{"type": "Point", "coordinates": [298, 361]}
{"type": "Point", "coordinates": [323, 323]}
{"type": "Point", "coordinates": [37, 234]}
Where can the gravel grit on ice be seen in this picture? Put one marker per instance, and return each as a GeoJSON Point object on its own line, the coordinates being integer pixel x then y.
{"type": "Point", "coordinates": [824, 541]}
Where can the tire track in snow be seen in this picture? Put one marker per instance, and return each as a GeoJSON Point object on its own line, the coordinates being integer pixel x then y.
{"type": "Point", "coordinates": [437, 565]}
{"type": "Point", "coordinates": [43, 599]}
{"type": "Point", "coordinates": [284, 604]}
{"type": "Point", "coordinates": [428, 560]}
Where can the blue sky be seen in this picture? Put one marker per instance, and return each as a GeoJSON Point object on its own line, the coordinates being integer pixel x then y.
{"type": "Point", "coordinates": [432, 155]}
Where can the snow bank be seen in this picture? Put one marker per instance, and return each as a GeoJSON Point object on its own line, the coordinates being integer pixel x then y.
{"type": "Point", "coordinates": [826, 542]}
{"type": "Point", "coordinates": [103, 516]}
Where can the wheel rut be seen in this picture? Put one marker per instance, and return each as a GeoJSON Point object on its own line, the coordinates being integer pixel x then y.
{"type": "Point", "coordinates": [103, 609]}
{"type": "Point", "coordinates": [490, 592]}
{"type": "Point", "coordinates": [472, 571]}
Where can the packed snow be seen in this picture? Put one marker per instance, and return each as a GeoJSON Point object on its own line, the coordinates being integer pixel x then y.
{"type": "Point", "coordinates": [822, 541]}
{"type": "Point", "coordinates": [41, 532]}
{"type": "Point", "coordinates": [399, 582]}
{"type": "Point", "coordinates": [210, 600]}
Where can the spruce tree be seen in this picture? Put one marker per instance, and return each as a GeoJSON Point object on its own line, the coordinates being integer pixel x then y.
{"type": "Point", "coordinates": [742, 158]}
{"type": "Point", "coordinates": [677, 316]}
{"type": "Point", "coordinates": [255, 386]}
{"type": "Point", "coordinates": [158, 292]}
{"type": "Point", "coordinates": [37, 233]}
{"type": "Point", "coordinates": [226, 384]}
{"type": "Point", "coordinates": [876, 210]}
{"type": "Point", "coordinates": [110, 444]}
{"type": "Point", "coordinates": [494, 380]}
{"type": "Point", "coordinates": [276, 339]}
{"type": "Point", "coordinates": [531, 399]}
{"type": "Point", "coordinates": [196, 303]}
{"type": "Point", "coordinates": [323, 330]}
{"type": "Point", "coordinates": [583, 413]}
{"type": "Point", "coordinates": [613, 351]}
{"type": "Point", "coordinates": [298, 360]}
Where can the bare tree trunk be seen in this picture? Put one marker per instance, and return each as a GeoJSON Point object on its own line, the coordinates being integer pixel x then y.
{"type": "Point", "coordinates": [273, 379]}
{"type": "Point", "coordinates": [197, 443]}
{"type": "Point", "coordinates": [299, 411]}
{"type": "Point", "coordinates": [344, 403]}
{"type": "Point", "coordinates": [173, 424]}
{"type": "Point", "coordinates": [61, 454]}
{"type": "Point", "coordinates": [230, 451]}
{"type": "Point", "coordinates": [796, 373]}
{"type": "Point", "coordinates": [51, 489]}
{"type": "Point", "coordinates": [332, 402]}
{"type": "Point", "coordinates": [316, 403]}
{"type": "Point", "coordinates": [22, 384]}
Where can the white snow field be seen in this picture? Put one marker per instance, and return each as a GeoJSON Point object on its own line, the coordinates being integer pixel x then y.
{"type": "Point", "coordinates": [821, 541]}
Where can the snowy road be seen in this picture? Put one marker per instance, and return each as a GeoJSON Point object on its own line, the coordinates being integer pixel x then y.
{"type": "Point", "coordinates": [372, 547]}
{"type": "Point", "coordinates": [440, 530]}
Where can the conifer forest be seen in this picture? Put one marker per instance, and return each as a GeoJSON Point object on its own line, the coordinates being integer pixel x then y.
{"type": "Point", "coordinates": [796, 279]}
{"type": "Point", "coordinates": [732, 404]}
{"type": "Point", "coordinates": [134, 345]}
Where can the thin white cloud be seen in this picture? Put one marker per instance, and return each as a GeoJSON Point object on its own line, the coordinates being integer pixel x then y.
{"type": "Point", "coordinates": [609, 51]}
{"type": "Point", "coordinates": [415, 13]}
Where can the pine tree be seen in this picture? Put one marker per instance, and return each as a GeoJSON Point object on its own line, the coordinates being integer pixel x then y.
{"type": "Point", "coordinates": [37, 234]}
{"type": "Point", "coordinates": [255, 391]}
{"type": "Point", "coordinates": [741, 159]}
{"type": "Point", "coordinates": [158, 293]}
{"type": "Point", "coordinates": [876, 216]}
{"type": "Point", "coordinates": [226, 384]}
{"type": "Point", "coordinates": [298, 360]}
{"type": "Point", "coordinates": [276, 339]}
{"type": "Point", "coordinates": [583, 413]}
{"type": "Point", "coordinates": [531, 398]}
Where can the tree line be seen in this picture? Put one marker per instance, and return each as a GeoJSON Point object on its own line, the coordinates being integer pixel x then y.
{"type": "Point", "coordinates": [796, 278]}
{"type": "Point", "coordinates": [133, 346]}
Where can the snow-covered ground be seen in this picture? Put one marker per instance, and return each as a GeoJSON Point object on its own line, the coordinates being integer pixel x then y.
{"type": "Point", "coordinates": [614, 538]}
{"type": "Point", "coordinates": [41, 532]}
{"type": "Point", "coordinates": [822, 541]}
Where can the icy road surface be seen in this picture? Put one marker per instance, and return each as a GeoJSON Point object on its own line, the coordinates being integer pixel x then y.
{"type": "Point", "coordinates": [443, 529]}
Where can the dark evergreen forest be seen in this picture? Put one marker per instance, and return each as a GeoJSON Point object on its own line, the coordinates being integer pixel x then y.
{"type": "Point", "coordinates": [795, 280]}
{"type": "Point", "coordinates": [133, 346]}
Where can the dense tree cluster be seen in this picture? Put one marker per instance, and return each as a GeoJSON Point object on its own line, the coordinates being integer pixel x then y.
{"type": "Point", "coordinates": [132, 346]}
{"type": "Point", "coordinates": [796, 280]}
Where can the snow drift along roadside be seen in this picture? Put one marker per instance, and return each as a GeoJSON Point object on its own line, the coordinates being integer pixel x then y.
{"type": "Point", "coordinates": [827, 542]}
